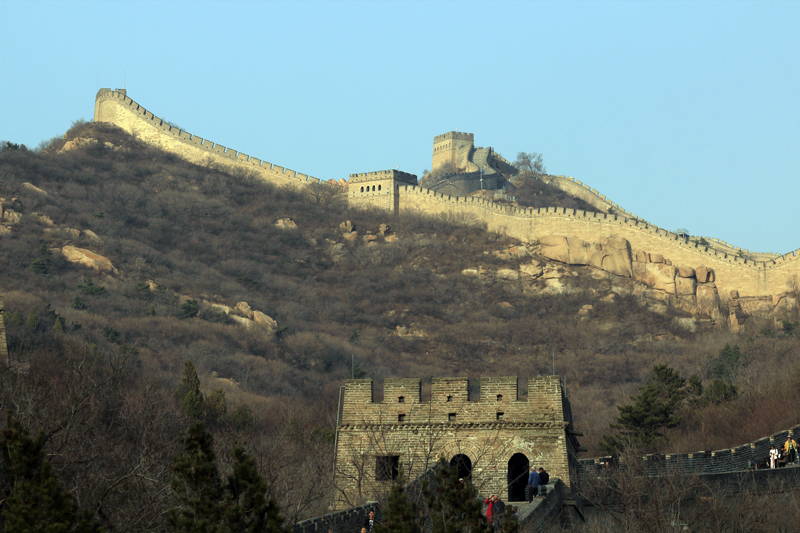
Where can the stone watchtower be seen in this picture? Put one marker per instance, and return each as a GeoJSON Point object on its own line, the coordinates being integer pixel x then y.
{"type": "Point", "coordinates": [378, 189]}
{"type": "Point", "coordinates": [493, 438]}
{"type": "Point", "coordinates": [452, 148]}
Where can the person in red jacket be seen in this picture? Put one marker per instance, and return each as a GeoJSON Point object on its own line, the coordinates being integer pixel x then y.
{"type": "Point", "coordinates": [489, 502]}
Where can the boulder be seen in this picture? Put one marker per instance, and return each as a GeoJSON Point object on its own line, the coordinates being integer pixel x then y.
{"type": "Point", "coordinates": [244, 309]}
{"type": "Point", "coordinates": [656, 275]}
{"type": "Point", "coordinates": [44, 219]}
{"type": "Point", "coordinates": [702, 274]}
{"type": "Point", "coordinates": [12, 217]}
{"type": "Point", "coordinates": [92, 235]}
{"type": "Point", "coordinates": [352, 236]}
{"type": "Point", "coordinates": [688, 324]}
{"type": "Point", "coordinates": [5, 230]}
{"type": "Point", "coordinates": [88, 258]}
{"type": "Point", "coordinates": [734, 294]}
{"type": "Point", "coordinates": [655, 258]}
{"type": "Point", "coordinates": [507, 273]}
{"type": "Point", "coordinates": [369, 238]}
{"type": "Point", "coordinates": [346, 226]}
{"type": "Point", "coordinates": [383, 229]}
{"type": "Point", "coordinates": [390, 238]}
{"type": "Point", "coordinates": [264, 320]}
{"type": "Point", "coordinates": [686, 272]}
{"type": "Point", "coordinates": [285, 223]}
{"type": "Point", "coordinates": [531, 270]}
{"type": "Point", "coordinates": [707, 300]}
{"type": "Point", "coordinates": [242, 321]}
{"type": "Point", "coordinates": [685, 286]}
{"type": "Point", "coordinates": [470, 272]}
{"type": "Point", "coordinates": [33, 188]}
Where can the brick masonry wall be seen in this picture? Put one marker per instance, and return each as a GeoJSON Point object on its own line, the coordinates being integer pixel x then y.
{"type": "Point", "coordinates": [115, 107]}
{"type": "Point", "coordinates": [488, 431]}
{"type": "Point", "coordinates": [736, 459]}
{"type": "Point", "coordinates": [750, 278]}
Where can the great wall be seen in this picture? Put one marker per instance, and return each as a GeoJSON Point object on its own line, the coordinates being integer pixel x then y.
{"type": "Point", "coordinates": [757, 276]}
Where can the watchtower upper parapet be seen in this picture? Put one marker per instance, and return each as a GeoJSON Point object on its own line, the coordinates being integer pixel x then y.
{"type": "Point", "coordinates": [501, 400]}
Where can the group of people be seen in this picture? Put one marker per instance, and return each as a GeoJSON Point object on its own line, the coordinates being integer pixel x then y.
{"type": "Point", "coordinates": [784, 455]}
{"type": "Point", "coordinates": [495, 507]}
{"type": "Point", "coordinates": [536, 480]}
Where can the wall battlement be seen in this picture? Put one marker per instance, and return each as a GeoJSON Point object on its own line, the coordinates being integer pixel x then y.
{"type": "Point", "coordinates": [733, 271]}
{"type": "Point", "coordinates": [737, 459]}
{"type": "Point", "coordinates": [383, 174]}
{"type": "Point", "coordinates": [454, 135]}
{"type": "Point", "coordinates": [118, 108]}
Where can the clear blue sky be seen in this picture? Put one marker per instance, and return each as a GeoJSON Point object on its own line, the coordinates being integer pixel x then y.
{"type": "Point", "coordinates": [685, 113]}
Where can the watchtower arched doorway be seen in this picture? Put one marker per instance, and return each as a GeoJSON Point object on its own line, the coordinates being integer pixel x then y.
{"type": "Point", "coordinates": [463, 466]}
{"type": "Point", "coordinates": [518, 467]}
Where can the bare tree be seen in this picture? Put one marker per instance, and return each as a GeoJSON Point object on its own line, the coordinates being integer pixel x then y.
{"type": "Point", "coordinates": [530, 164]}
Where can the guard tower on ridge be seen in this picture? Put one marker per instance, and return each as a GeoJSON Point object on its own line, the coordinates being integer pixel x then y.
{"type": "Point", "coordinates": [378, 189]}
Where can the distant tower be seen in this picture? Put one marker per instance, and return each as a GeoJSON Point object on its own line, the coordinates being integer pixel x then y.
{"type": "Point", "coordinates": [378, 189]}
{"type": "Point", "coordinates": [452, 147]}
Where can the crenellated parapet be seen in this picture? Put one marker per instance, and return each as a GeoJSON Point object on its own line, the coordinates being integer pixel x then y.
{"type": "Point", "coordinates": [734, 271]}
{"type": "Point", "coordinates": [119, 109]}
{"type": "Point", "coordinates": [741, 458]}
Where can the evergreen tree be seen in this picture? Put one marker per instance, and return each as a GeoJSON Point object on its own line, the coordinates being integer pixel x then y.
{"type": "Point", "coordinates": [37, 503]}
{"type": "Point", "coordinates": [205, 505]}
{"type": "Point", "coordinates": [33, 320]}
{"type": "Point", "coordinates": [654, 409]}
{"type": "Point", "coordinates": [197, 485]}
{"type": "Point", "coordinates": [452, 504]}
{"type": "Point", "coordinates": [247, 509]}
{"type": "Point", "coordinates": [242, 416]}
{"type": "Point", "coordinates": [400, 515]}
{"type": "Point", "coordinates": [216, 407]}
{"type": "Point", "coordinates": [188, 395]}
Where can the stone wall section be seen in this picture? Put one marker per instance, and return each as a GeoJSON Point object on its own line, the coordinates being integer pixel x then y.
{"type": "Point", "coordinates": [117, 108]}
{"type": "Point", "coordinates": [738, 459]}
{"type": "Point", "coordinates": [733, 272]}
{"type": "Point", "coordinates": [489, 431]}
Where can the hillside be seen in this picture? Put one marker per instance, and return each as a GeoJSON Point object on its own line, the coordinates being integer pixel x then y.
{"type": "Point", "coordinates": [278, 295]}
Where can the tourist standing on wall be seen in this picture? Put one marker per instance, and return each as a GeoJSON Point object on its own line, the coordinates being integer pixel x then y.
{"type": "Point", "coordinates": [532, 489]}
{"type": "Point", "coordinates": [489, 502]}
{"type": "Point", "coordinates": [790, 449]}
{"type": "Point", "coordinates": [773, 456]}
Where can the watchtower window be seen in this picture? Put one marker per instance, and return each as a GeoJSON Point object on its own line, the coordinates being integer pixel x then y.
{"type": "Point", "coordinates": [500, 415]}
{"type": "Point", "coordinates": [449, 398]}
{"type": "Point", "coordinates": [362, 189]}
{"type": "Point", "coordinates": [499, 397]}
{"type": "Point", "coordinates": [387, 467]}
{"type": "Point", "coordinates": [379, 187]}
{"type": "Point", "coordinates": [373, 188]}
{"type": "Point", "coordinates": [401, 399]}
{"type": "Point", "coordinates": [401, 418]}
{"type": "Point", "coordinates": [451, 417]}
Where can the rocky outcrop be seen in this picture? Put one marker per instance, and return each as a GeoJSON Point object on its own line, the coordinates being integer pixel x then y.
{"type": "Point", "coordinates": [611, 254]}
{"type": "Point", "coordinates": [88, 258]}
{"type": "Point", "coordinates": [33, 188]}
{"type": "Point", "coordinates": [285, 224]}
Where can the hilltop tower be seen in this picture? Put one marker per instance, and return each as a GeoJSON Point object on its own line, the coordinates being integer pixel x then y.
{"type": "Point", "coordinates": [452, 147]}
{"type": "Point", "coordinates": [378, 189]}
